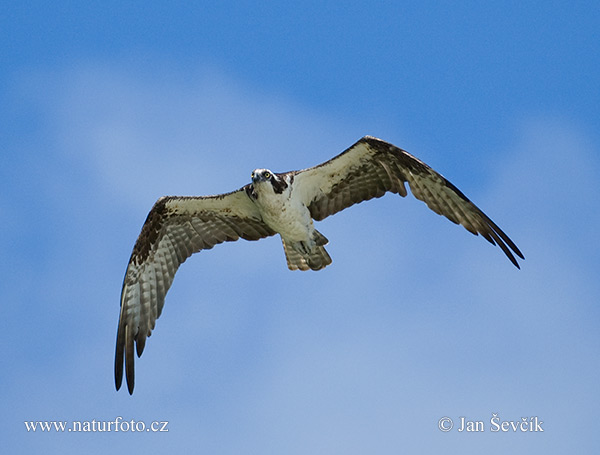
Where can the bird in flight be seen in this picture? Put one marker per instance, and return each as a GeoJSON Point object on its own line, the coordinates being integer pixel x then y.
{"type": "Point", "coordinates": [277, 203]}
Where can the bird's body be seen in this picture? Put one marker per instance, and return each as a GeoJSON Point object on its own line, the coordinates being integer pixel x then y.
{"type": "Point", "coordinates": [285, 211]}
{"type": "Point", "coordinates": [284, 204]}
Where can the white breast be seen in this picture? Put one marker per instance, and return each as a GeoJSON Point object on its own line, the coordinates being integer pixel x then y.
{"type": "Point", "coordinates": [284, 213]}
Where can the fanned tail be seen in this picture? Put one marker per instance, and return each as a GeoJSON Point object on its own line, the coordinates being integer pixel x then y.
{"type": "Point", "coordinates": [315, 259]}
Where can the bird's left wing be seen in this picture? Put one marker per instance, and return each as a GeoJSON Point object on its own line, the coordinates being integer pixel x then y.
{"type": "Point", "coordinates": [176, 228]}
{"type": "Point", "coordinates": [372, 167]}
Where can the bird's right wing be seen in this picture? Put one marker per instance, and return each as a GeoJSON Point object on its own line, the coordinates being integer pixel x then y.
{"type": "Point", "coordinates": [372, 167]}
{"type": "Point", "coordinates": [176, 228]}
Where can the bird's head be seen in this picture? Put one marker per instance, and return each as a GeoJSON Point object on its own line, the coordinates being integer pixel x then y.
{"type": "Point", "coordinates": [261, 175]}
{"type": "Point", "coordinates": [277, 183]}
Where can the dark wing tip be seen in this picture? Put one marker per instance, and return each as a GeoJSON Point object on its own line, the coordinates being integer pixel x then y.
{"type": "Point", "coordinates": [504, 241]}
{"type": "Point", "coordinates": [124, 354]}
{"type": "Point", "coordinates": [118, 374]}
{"type": "Point", "coordinates": [119, 358]}
{"type": "Point", "coordinates": [129, 359]}
{"type": "Point", "coordinates": [517, 251]}
{"type": "Point", "coordinates": [140, 343]}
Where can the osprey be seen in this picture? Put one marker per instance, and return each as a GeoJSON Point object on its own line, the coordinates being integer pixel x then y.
{"type": "Point", "coordinates": [284, 204]}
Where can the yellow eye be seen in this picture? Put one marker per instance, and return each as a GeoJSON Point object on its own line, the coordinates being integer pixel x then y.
{"type": "Point", "coordinates": [267, 175]}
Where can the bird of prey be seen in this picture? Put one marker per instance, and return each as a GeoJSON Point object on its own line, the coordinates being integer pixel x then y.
{"type": "Point", "coordinates": [277, 203]}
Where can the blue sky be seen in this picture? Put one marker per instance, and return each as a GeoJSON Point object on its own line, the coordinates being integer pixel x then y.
{"type": "Point", "coordinates": [107, 107]}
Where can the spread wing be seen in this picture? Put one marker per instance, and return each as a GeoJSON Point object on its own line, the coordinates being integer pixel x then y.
{"type": "Point", "coordinates": [176, 228]}
{"type": "Point", "coordinates": [372, 167]}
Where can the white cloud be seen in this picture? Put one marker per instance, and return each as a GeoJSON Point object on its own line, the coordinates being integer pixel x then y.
{"type": "Point", "coordinates": [165, 133]}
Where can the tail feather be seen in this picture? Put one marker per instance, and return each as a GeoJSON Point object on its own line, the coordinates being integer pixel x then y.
{"type": "Point", "coordinates": [320, 239]}
{"type": "Point", "coordinates": [316, 259]}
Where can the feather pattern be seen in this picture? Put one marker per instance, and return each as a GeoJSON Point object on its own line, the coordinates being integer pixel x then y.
{"type": "Point", "coordinates": [176, 228]}
{"type": "Point", "coordinates": [372, 167]}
